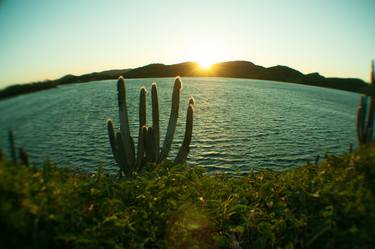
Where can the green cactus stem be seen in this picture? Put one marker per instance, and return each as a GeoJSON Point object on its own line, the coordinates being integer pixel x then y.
{"type": "Point", "coordinates": [121, 154]}
{"type": "Point", "coordinates": [151, 148]}
{"type": "Point", "coordinates": [361, 119]}
{"type": "Point", "coordinates": [24, 157]}
{"type": "Point", "coordinates": [370, 121]}
{"type": "Point", "coordinates": [12, 147]}
{"type": "Point", "coordinates": [365, 115]}
{"type": "Point", "coordinates": [141, 147]}
{"type": "Point", "coordinates": [2, 155]}
{"type": "Point", "coordinates": [142, 123]}
{"type": "Point", "coordinates": [372, 76]}
{"type": "Point", "coordinates": [185, 147]}
{"type": "Point", "coordinates": [142, 106]}
{"type": "Point", "coordinates": [317, 158]}
{"type": "Point", "coordinates": [172, 119]}
{"type": "Point", "coordinates": [112, 140]}
{"type": "Point", "coordinates": [124, 123]}
{"type": "Point", "coordinates": [144, 139]}
{"type": "Point", "coordinates": [155, 120]}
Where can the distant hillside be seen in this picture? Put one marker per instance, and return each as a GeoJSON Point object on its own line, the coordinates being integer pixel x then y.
{"type": "Point", "coordinates": [104, 75]}
{"type": "Point", "coordinates": [233, 69]}
{"type": "Point", "coordinates": [19, 89]}
{"type": "Point", "coordinates": [247, 70]}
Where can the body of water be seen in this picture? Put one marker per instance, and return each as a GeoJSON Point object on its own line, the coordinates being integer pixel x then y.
{"type": "Point", "coordinates": [239, 124]}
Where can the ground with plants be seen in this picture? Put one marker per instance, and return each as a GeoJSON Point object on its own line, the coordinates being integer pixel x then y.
{"type": "Point", "coordinates": [330, 205]}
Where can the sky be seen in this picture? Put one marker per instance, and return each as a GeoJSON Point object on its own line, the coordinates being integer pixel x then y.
{"type": "Point", "coordinates": [47, 39]}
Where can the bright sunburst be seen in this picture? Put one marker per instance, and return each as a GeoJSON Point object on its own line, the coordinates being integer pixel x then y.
{"type": "Point", "coordinates": [205, 64]}
{"type": "Point", "coordinates": [206, 51]}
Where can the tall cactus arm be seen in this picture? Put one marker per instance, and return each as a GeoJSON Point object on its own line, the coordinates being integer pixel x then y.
{"type": "Point", "coordinates": [149, 145]}
{"type": "Point", "coordinates": [12, 147]}
{"type": "Point", "coordinates": [155, 120]}
{"type": "Point", "coordinates": [112, 140]}
{"type": "Point", "coordinates": [141, 147]}
{"type": "Point", "coordinates": [361, 119]}
{"type": "Point", "coordinates": [2, 155]}
{"type": "Point", "coordinates": [144, 138]}
{"type": "Point", "coordinates": [370, 120]}
{"type": "Point", "coordinates": [172, 119]}
{"type": "Point", "coordinates": [124, 121]}
{"type": "Point", "coordinates": [142, 107]}
{"type": "Point", "coordinates": [360, 130]}
{"type": "Point", "coordinates": [24, 157]}
{"type": "Point", "coordinates": [122, 154]}
{"type": "Point", "coordinates": [372, 73]}
{"type": "Point", "coordinates": [142, 122]}
{"type": "Point", "coordinates": [184, 149]}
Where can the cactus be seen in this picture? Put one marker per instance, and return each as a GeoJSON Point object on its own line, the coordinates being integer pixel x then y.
{"type": "Point", "coordinates": [12, 147]}
{"type": "Point", "coordinates": [124, 123]}
{"type": "Point", "coordinates": [142, 123]}
{"type": "Point", "coordinates": [155, 120]}
{"type": "Point", "coordinates": [24, 157]}
{"type": "Point", "coordinates": [2, 155]}
{"type": "Point", "coordinates": [184, 149]}
{"type": "Point", "coordinates": [372, 75]}
{"type": "Point", "coordinates": [365, 115]}
{"type": "Point", "coordinates": [148, 147]}
{"type": "Point", "coordinates": [172, 119]}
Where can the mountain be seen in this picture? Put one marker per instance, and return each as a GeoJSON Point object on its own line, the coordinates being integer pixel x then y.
{"type": "Point", "coordinates": [104, 75]}
{"type": "Point", "coordinates": [248, 70]}
{"type": "Point", "coordinates": [232, 69]}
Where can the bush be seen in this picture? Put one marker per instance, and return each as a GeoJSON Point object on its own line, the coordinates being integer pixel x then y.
{"type": "Point", "coordinates": [330, 205]}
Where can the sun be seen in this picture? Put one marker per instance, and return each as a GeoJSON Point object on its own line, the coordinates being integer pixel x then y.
{"type": "Point", "coordinates": [205, 64]}
{"type": "Point", "coordinates": [206, 52]}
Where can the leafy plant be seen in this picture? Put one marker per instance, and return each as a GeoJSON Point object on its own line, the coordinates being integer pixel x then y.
{"type": "Point", "coordinates": [329, 205]}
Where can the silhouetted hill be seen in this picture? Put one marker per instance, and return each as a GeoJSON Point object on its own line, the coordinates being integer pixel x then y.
{"type": "Point", "coordinates": [12, 91]}
{"type": "Point", "coordinates": [248, 70]}
{"type": "Point", "coordinates": [160, 70]}
{"type": "Point", "coordinates": [104, 75]}
{"type": "Point", "coordinates": [233, 69]}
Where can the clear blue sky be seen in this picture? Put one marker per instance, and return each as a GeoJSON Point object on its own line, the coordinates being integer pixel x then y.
{"type": "Point", "coordinates": [46, 39]}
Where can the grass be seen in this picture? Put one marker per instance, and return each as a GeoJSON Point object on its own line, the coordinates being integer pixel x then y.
{"type": "Point", "coordinates": [330, 205]}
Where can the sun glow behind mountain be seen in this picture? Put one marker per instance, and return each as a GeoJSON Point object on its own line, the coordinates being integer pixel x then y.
{"type": "Point", "coordinates": [205, 64]}
{"type": "Point", "coordinates": [206, 51]}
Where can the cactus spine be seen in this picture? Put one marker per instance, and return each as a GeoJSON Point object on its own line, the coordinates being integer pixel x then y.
{"type": "Point", "coordinates": [365, 115]}
{"type": "Point", "coordinates": [148, 147]}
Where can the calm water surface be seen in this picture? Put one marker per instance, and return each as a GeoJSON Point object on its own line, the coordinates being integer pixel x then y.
{"type": "Point", "coordinates": [240, 124]}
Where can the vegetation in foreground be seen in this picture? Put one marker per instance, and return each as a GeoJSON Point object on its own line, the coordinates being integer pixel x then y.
{"type": "Point", "coordinates": [330, 205]}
